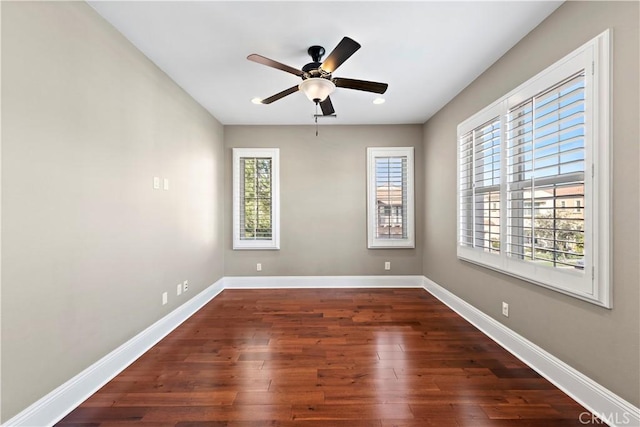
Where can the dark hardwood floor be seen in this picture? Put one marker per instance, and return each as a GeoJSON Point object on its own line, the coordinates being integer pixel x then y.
{"type": "Point", "coordinates": [330, 358]}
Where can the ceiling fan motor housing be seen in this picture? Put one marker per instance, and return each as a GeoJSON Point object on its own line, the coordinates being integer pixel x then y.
{"type": "Point", "coordinates": [313, 68]}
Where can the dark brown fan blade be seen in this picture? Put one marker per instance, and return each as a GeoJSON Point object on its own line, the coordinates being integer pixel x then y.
{"type": "Point", "coordinates": [361, 85]}
{"type": "Point", "coordinates": [274, 64]}
{"type": "Point", "coordinates": [327, 107]}
{"type": "Point", "coordinates": [279, 95]}
{"type": "Point", "coordinates": [341, 53]}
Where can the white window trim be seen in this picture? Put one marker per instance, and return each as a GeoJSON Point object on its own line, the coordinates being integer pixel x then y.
{"type": "Point", "coordinates": [593, 284]}
{"type": "Point", "coordinates": [274, 243]}
{"type": "Point", "coordinates": [372, 241]}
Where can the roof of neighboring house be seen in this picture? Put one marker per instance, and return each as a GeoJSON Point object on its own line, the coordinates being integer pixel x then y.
{"type": "Point", "coordinates": [575, 191]}
{"type": "Point", "coordinates": [389, 196]}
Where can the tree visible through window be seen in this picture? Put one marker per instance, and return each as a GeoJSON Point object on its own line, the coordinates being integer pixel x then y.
{"type": "Point", "coordinates": [255, 189]}
{"type": "Point", "coordinates": [255, 198]}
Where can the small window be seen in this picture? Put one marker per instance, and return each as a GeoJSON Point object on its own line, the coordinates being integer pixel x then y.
{"type": "Point", "coordinates": [256, 220]}
{"type": "Point", "coordinates": [390, 197]}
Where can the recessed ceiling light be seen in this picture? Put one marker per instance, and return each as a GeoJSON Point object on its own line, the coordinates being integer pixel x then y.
{"type": "Point", "coordinates": [378, 101]}
{"type": "Point", "coordinates": [256, 101]}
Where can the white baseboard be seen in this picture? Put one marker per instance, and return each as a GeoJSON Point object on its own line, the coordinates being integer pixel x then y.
{"type": "Point", "coordinates": [597, 399]}
{"type": "Point", "coordinates": [604, 403]}
{"type": "Point", "coordinates": [280, 282]}
{"type": "Point", "coordinates": [57, 404]}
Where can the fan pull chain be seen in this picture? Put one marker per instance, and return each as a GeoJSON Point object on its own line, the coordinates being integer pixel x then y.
{"type": "Point", "coordinates": [316, 117]}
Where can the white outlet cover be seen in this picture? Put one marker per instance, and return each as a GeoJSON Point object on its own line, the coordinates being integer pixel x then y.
{"type": "Point", "coordinates": [387, 265]}
{"type": "Point", "coordinates": [156, 182]}
{"type": "Point", "coordinates": [166, 183]}
{"type": "Point", "coordinates": [179, 289]}
{"type": "Point", "coordinates": [185, 286]}
{"type": "Point", "coordinates": [258, 267]}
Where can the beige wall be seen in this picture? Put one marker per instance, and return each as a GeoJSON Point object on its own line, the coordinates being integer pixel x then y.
{"type": "Point", "coordinates": [601, 343]}
{"type": "Point", "coordinates": [323, 201]}
{"type": "Point", "coordinates": [88, 246]}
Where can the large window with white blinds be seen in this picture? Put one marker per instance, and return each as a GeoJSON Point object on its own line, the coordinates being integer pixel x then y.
{"type": "Point", "coordinates": [533, 178]}
{"type": "Point", "coordinates": [255, 198]}
{"type": "Point", "coordinates": [390, 203]}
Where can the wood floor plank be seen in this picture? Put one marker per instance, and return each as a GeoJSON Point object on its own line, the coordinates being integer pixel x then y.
{"type": "Point", "coordinates": [191, 398]}
{"type": "Point", "coordinates": [263, 413]}
{"type": "Point", "coordinates": [435, 411]}
{"type": "Point", "coordinates": [520, 411]}
{"type": "Point", "coordinates": [327, 358]}
{"type": "Point", "coordinates": [285, 396]}
{"type": "Point", "coordinates": [352, 412]}
{"type": "Point", "coordinates": [422, 422]}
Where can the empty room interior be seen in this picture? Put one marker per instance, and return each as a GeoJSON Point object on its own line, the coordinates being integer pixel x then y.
{"type": "Point", "coordinates": [434, 222]}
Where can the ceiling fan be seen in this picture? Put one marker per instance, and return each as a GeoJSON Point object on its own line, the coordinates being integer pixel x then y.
{"type": "Point", "coordinates": [317, 80]}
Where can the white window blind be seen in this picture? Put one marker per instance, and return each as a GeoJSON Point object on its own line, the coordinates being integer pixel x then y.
{"type": "Point", "coordinates": [546, 170]}
{"type": "Point", "coordinates": [256, 217]}
{"type": "Point", "coordinates": [534, 178]}
{"type": "Point", "coordinates": [255, 195]}
{"type": "Point", "coordinates": [390, 197]}
{"type": "Point", "coordinates": [480, 187]}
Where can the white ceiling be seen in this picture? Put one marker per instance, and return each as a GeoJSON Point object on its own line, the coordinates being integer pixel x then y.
{"type": "Point", "coordinates": [426, 51]}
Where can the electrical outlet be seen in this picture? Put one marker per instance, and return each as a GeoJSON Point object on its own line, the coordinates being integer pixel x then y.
{"type": "Point", "coordinates": [179, 289]}
{"type": "Point", "coordinates": [505, 309]}
{"type": "Point", "coordinates": [156, 182]}
{"type": "Point", "coordinates": [185, 286]}
{"type": "Point", "coordinates": [258, 267]}
{"type": "Point", "coordinates": [387, 265]}
{"type": "Point", "coordinates": [165, 298]}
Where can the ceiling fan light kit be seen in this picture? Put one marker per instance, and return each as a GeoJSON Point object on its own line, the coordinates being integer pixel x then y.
{"type": "Point", "coordinates": [317, 80]}
{"type": "Point", "coordinates": [317, 89]}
